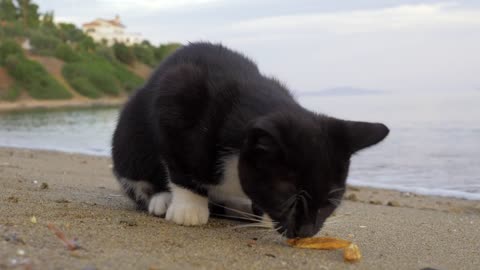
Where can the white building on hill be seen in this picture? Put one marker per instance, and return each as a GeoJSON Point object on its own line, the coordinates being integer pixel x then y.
{"type": "Point", "coordinates": [110, 31]}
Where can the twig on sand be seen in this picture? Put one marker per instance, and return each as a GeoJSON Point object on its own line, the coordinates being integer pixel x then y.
{"type": "Point", "coordinates": [69, 244]}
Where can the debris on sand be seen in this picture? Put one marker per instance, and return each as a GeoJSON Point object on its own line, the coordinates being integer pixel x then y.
{"type": "Point", "coordinates": [44, 186]}
{"type": "Point", "coordinates": [69, 244]}
{"type": "Point", "coordinates": [393, 203]}
{"type": "Point", "coordinates": [252, 242]}
{"type": "Point", "coordinates": [352, 197]}
{"type": "Point", "coordinates": [376, 202]}
{"type": "Point", "coordinates": [13, 238]}
{"type": "Point", "coordinates": [128, 222]}
{"type": "Point", "coordinates": [12, 199]}
{"type": "Point", "coordinates": [62, 200]}
{"type": "Point", "coordinates": [33, 219]}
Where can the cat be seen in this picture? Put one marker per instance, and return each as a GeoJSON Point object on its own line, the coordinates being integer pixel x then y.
{"type": "Point", "coordinates": [208, 126]}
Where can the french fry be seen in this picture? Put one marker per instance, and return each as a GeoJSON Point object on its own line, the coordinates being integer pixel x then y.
{"type": "Point", "coordinates": [351, 252]}
{"type": "Point", "coordinates": [324, 243]}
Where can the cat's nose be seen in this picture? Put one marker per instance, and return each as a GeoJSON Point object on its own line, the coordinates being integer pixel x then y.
{"type": "Point", "coordinates": [305, 230]}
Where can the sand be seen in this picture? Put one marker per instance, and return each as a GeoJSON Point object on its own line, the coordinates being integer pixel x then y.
{"type": "Point", "coordinates": [81, 197]}
{"type": "Point", "coordinates": [28, 103]}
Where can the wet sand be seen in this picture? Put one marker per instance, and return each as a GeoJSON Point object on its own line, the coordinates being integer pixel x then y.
{"type": "Point", "coordinates": [79, 195]}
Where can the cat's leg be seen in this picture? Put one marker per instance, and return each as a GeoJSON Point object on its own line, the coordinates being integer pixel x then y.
{"type": "Point", "coordinates": [151, 194]}
{"type": "Point", "coordinates": [189, 206]}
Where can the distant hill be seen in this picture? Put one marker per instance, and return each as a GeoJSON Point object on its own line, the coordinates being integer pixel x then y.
{"type": "Point", "coordinates": [41, 60]}
{"type": "Point", "coordinates": [343, 91]}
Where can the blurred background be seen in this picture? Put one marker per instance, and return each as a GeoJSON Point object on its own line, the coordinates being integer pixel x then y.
{"type": "Point", "coordinates": [413, 65]}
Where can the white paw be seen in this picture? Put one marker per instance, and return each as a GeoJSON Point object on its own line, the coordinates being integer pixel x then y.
{"type": "Point", "coordinates": [159, 203]}
{"type": "Point", "coordinates": [188, 214]}
{"type": "Point", "coordinates": [187, 208]}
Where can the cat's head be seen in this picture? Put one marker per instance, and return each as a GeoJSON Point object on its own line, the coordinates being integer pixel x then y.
{"type": "Point", "coordinates": [294, 166]}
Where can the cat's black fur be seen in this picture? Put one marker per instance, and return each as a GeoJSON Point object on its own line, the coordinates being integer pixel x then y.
{"type": "Point", "coordinates": [206, 101]}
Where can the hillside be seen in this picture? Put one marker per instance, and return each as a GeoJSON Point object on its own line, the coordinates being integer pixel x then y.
{"type": "Point", "coordinates": [44, 63]}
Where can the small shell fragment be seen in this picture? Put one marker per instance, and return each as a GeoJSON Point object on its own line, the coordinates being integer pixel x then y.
{"type": "Point", "coordinates": [33, 219]}
{"type": "Point", "coordinates": [352, 253]}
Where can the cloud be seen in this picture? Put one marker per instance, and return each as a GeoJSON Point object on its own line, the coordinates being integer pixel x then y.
{"type": "Point", "coordinates": [403, 17]}
{"type": "Point", "coordinates": [153, 5]}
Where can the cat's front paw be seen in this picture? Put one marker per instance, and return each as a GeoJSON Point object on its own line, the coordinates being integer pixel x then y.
{"type": "Point", "coordinates": [159, 203]}
{"type": "Point", "coordinates": [187, 208]}
{"type": "Point", "coordinates": [187, 214]}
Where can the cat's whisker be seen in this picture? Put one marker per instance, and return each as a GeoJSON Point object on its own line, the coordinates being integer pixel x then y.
{"type": "Point", "coordinates": [292, 206]}
{"type": "Point", "coordinates": [254, 225]}
{"type": "Point", "coordinates": [335, 201]}
{"type": "Point", "coordinates": [237, 217]}
{"type": "Point", "coordinates": [336, 190]}
{"type": "Point", "coordinates": [289, 201]}
{"type": "Point", "coordinates": [239, 211]}
{"type": "Point", "coordinates": [305, 193]}
{"type": "Point", "coordinates": [305, 204]}
{"type": "Point", "coordinates": [336, 217]}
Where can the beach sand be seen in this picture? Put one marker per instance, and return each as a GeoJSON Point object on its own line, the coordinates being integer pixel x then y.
{"type": "Point", "coordinates": [79, 195]}
{"type": "Point", "coordinates": [27, 103]}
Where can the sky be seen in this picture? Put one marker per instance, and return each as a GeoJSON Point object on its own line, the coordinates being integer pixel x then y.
{"type": "Point", "coordinates": [311, 45]}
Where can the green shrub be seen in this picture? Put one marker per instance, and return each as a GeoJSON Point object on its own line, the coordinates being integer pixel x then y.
{"type": "Point", "coordinates": [123, 53]}
{"type": "Point", "coordinates": [12, 93]}
{"type": "Point", "coordinates": [13, 29]}
{"type": "Point", "coordinates": [110, 78]}
{"type": "Point", "coordinates": [66, 53]}
{"type": "Point", "coordinates": [87, 44]}
{"type": "Point", "coordinates": [97, 73]}
{"type": "Point", "coordinates": [165, 50]}
{"type": "Point", "coordinates": [85, 87]}
{"type": "Point", "coordinates": [106, 53]}
{"type": "Point", "coordinates": [43, 43]}
{"type": "Point", "coordinates": [128, 80]}
{"type": "Point", "coordinates": [9, 47]}
{"type": "Point", "coordinates": [35, 79]}
{"type": "Point", "coordinates": [69, 32]}
{"type": "Point", "coordinates": [144, 54]}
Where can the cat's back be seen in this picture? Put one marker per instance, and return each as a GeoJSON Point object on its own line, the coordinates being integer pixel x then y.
{"type": "Point", "coordinates": [215, 59]}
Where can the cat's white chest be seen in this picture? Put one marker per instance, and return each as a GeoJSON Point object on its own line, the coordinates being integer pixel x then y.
{"type": "Point", "coordinates": [229, 189]}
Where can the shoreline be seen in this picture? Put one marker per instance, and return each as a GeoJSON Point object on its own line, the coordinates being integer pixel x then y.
{"type": "Point", "coordinates": [414, 191]}
{"type": "Point", "coordinates": [26, 105]}
{"type": "Point", "coordinates": [78, 193]}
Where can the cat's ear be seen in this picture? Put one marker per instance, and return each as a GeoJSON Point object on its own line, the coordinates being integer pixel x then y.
{"type": "Point", "coordinates": [263, 144]}
{"type": "Point", "coordinates": [361, 135]}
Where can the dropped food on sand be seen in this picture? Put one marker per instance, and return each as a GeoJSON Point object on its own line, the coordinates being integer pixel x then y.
{"type": "Point", "coordinates": [351, 252]}
{"type": "Point", "coordinates": [326, 243]}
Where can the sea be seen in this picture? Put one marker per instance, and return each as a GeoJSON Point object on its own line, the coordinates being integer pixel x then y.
{"type": "Point", "coordinates": [433, 147]}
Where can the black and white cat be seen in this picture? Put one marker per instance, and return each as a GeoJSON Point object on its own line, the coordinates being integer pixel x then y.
{"type": "Point", "coordinates": [209, 126]}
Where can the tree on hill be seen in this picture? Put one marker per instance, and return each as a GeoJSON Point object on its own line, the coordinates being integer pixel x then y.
{"type": "Point", "coordinates": [28, 13]}
{"type": "Point", "coordinates": [123, 53]}
{"type": "Point", "coordinates": [8, 11]}
{"type": "Point", "coordinates": [48, 19]}
{"type": "Point", "coordinates": [69, 32]}
{"type": "Point", "coordinates": [165, 49]}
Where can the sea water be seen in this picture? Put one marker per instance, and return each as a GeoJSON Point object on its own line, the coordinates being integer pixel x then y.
{"type": "Point", "coordinates": [433, 146]}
